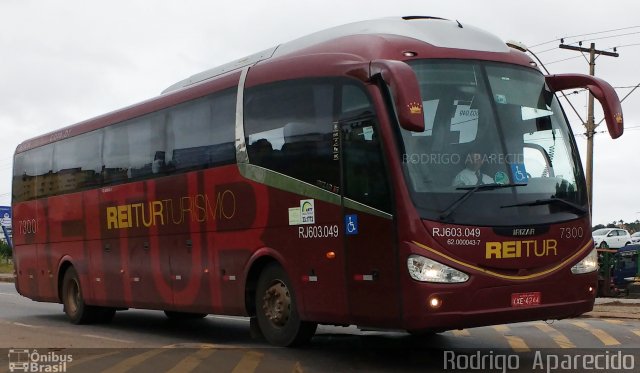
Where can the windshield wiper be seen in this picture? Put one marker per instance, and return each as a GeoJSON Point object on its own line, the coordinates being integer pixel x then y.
{"type": "Point", "coordinates": [472, 189]}
{"type": "Point", "coordinates": [548, 201]}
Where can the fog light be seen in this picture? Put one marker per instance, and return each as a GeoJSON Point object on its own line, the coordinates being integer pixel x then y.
{"type": "Point", "coordinates": [435, 302]}
{"type": "Point", "coordinates": [590, 289]}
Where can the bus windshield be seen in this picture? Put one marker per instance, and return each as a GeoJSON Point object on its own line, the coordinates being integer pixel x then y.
{"type": "Point", "coordinates": [496, 125]}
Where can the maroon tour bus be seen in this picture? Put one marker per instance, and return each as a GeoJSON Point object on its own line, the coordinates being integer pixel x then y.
{"type": "Point", "coordinates": [407, 173]}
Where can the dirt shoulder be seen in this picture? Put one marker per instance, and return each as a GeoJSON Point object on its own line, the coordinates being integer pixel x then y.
{"type": "Point", "coordinates": [616, 308]}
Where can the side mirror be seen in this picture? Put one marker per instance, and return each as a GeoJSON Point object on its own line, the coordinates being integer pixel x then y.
{"type": "Point", "coordinates": [600, 89]}
{"type": "Point", "coordinates": [405, 89]}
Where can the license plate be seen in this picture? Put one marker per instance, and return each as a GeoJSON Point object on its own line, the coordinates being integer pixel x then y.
{"type": "Point", "coordinates": [525, 299]}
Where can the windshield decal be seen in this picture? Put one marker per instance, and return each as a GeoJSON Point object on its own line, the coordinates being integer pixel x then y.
{"type": "Point", "coordinates": [519, 173]}
{"type": "Point", "coordinates": [465, 121]}
{"type": "Point", "coordinates": [533, 113]}
{"type": "Point", "coordinates": [501, 178]}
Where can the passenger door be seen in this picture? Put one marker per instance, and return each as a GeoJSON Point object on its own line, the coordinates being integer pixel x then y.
{"type": "Point", "coordinates": [370, 247]}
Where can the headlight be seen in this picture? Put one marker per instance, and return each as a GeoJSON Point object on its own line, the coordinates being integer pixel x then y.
{"type": "Point", "coordinates": [586, 265]}
{"type": "Point", "coordinates": [427, 270]}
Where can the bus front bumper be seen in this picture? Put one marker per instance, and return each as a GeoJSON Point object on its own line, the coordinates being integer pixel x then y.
{"type": "Point", "coordinates": [442, 309]}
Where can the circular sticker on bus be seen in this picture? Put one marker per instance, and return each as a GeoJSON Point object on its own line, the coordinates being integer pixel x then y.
{"type": "Point", "coordinates": [501, 178]}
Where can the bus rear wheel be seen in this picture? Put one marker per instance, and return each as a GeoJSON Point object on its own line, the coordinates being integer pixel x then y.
{"type": "Point", "coordinates": [277, 312]}
{"type": "Point", "coordinates": [76, 309]}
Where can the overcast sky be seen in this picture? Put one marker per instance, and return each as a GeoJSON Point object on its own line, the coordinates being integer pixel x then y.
{"type": "Point", "coordinates": [63, 61]}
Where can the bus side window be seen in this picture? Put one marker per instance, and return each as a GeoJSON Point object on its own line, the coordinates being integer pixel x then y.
{"type": "Point", "coordinates": [201, 133]}
{"type": "Point", "coordinates": [115, 157]}
{"type": "Point", "coordinates": [365, 177]}
{"type": "Point", "coordinates": [75, 164]}
{"type": "Point", "coordinates": [289, 129]}
{"type": "Point", "coordinates": [32, 173]}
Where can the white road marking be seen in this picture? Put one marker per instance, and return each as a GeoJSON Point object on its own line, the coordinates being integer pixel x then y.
{"type": "Point", "coordinates": [27, 325]}
{"type": "Point", "coordinates": [234, 318]}
{"type": "Point", "coordinates": [108, 338]}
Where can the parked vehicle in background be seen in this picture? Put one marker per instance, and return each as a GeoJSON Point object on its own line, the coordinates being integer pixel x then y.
{"type": "Point", "coordinates": [626, 265]}
{"type": "Point", "coordinates": [635, 238]}
{"type": "Point", "coordinates": [613, 238]}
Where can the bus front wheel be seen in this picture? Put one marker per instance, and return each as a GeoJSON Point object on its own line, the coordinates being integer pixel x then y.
{"type": "Point", "coordinates": [277, 312]}
{"type": "Point", "coordinates": [76, 309]}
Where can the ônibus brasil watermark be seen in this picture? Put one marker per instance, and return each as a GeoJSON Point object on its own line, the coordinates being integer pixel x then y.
{"type": "Point", "coordinates": [26, 360]}
{"type": "Point", "coordinates": [539, 361]}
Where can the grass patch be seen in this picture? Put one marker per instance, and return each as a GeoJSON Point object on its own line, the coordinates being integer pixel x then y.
{"type": "Point", "coordinates": [6, 267]}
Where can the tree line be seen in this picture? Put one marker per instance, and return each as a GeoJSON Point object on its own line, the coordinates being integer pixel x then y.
{"type": "Point", "coordinates": [632, 227]}
{"type": "Point", "coordinates": [5, 251]}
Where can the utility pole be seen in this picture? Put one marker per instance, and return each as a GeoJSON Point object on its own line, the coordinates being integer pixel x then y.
{"type": "Point", "coordinates": [591, 124]}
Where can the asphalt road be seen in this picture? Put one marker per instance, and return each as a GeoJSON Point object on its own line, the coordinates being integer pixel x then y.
{"type": "Point", "coordinates": [145, 341]}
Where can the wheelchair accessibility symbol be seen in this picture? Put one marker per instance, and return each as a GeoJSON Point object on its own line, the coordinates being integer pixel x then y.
{"type": "Point", "coordinates": [519, 173]}
{"type": "Point", "coordinates": [351, 224]}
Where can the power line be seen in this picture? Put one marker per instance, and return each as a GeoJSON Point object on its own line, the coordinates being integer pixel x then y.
{"type": "Point", "coordinates": [622, 46]}
{"type": "Point", "coordinates": [547, 50]}
{"type": "Point", "coordinates": [600, 32]}
{"type": "Point", "coordinates": [565, 59]}
{"type": "Point", "coordinates": [627, 45]}
{"type": "Point", "coordinates": [604, 37]}
{"type": "Point", "coordinates": [626, 129]}
{"type": "Point", "coordinates": [576, 36]}
{"type": "Point", "coordinates": [571, 58]}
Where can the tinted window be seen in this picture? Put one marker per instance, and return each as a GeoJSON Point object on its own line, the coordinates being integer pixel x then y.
{"type": "Point", "coordinates": [365, 178]}
{"type": "Point", "coordinates": [490, 123]}
{"type": "Point", "coordinates": [130, 148]}
{"type": "Point", "coordinates": [32, 174]}
{"type": "Point", "coordinates": [77, 162]}
{"type": "Point", "coordinates": [289, 129]}
{"type": "Point", "coordinates": [201, 133]}
{"type": "Point", "coordinates": [193, 135]}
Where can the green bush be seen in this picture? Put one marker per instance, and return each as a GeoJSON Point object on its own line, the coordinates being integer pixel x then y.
{"type": "Point", "coordinates": [5, 250]}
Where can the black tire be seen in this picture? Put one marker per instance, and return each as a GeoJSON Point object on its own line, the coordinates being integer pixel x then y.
{"type": "Point", "coordinates": [277, 312]}
{"type": "Point", "coordinates": [179, 316]}
{"type": "Point", "coordinates": [76, 309]}
{"type": "Point", "coordinates": [603, 245]}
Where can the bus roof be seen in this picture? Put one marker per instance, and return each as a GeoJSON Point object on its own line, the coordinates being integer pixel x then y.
{"type": "Point", "coordinates": [365, 40]}
{"type": "Point", "coordinates": [438, 32]}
